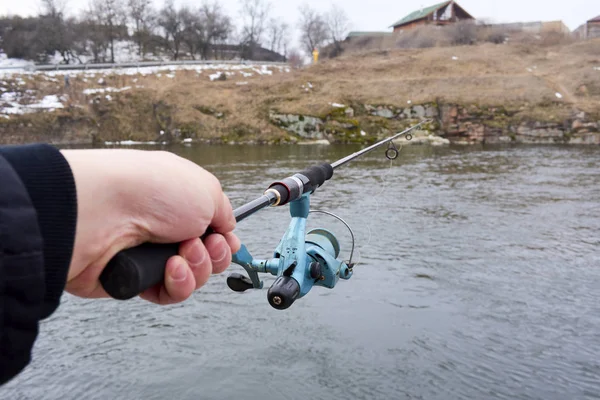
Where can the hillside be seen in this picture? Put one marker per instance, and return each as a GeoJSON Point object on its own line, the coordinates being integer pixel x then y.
{"type": "Point", "coordinates": [483, 93]}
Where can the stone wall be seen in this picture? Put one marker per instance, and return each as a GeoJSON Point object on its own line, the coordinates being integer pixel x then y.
{"type": "Point", "coordinates": [459, 124]}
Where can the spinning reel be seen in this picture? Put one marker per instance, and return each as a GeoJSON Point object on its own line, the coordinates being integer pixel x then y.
{"type": "Point", "coordinates": [301, 261]}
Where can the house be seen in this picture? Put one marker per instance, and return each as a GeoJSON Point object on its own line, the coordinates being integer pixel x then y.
{"type": "Point", "coordinates": [445, 13]}
{"type": "Point", "coordinates": [589, 30]}
{"type": "Point", "coordinates": [358, 34]}
{"type": "Point", "coordinates": [535, 27]}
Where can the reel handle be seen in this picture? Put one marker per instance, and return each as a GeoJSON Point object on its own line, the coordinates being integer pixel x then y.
{"type": "Point", "coordinates": [284, 291]}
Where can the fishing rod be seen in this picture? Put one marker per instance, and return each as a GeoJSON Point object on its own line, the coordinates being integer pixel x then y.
{"type": "Point", "coordinates": [301, 260]}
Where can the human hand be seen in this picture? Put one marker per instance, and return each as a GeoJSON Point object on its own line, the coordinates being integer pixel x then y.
{"type": "Point", "coordinates": [128, 197]}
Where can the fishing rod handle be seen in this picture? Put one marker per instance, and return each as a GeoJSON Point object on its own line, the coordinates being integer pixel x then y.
{"type": "Point", "coordinates": [306, 181]}
{"type": "Point", "coordinates": [132, 271]}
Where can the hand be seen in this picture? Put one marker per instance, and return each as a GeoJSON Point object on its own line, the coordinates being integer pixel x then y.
{"type": "Point", "coordinates": [128, 197]}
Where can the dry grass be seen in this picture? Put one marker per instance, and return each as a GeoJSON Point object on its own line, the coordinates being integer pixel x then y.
{"type": "Point", "coordinates": [510, 75]}
{"type": "Point", "coordinates": [516, 76]}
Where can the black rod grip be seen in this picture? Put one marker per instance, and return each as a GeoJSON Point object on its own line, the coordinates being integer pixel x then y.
{"type": "Point", "coordinates": [130, 272]}
{"type": "Point", "coordinates": [317, 175]}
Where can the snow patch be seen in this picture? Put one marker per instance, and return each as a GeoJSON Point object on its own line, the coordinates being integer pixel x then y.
{"type": "Point", "coordinates": [263, 70]}
{"type": "Point", "coordinates": [337, 105]}
{"type": "Point", "coordinates": [454, 58]}
{"type": "Point", "coordinates": [105, 90]}
{"type": "Point", "coordinates": [49, 103]}
{"type": "Point", "coordinates": [215, 76]}
{"type": "Point", "coordinates": [13, 62]}
{"type": "Point", "coordinates": [132, 143]}
{"type": "Point", "coordinates": [558, 95]}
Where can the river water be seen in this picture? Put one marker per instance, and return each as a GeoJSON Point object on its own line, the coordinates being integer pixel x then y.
{"type": "Point", "coordinates": [478, 278]}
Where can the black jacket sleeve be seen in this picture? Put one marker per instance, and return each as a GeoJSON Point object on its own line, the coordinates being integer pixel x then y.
{"type": "Point", "coordinates": [38, 214]}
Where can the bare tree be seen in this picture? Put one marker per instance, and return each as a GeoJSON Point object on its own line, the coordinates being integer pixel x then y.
{"type": "Point", "coordinates": [54, 32]}
{"type": "Point", "coordinates": [279, 36]}
{"type": "Point", "coordinates": [254, 14]}
{"type": "Point", "coordinates": [313, 29]}
{"type": "Point", "coordinates": [338, 25]}
{"type": "Point", "coordinates": [172, 24]}
{"type": "Point", "coordinates": [193, 30]}
{"type": "Point", "coordinates": [110, 14]}
{"type": "Point", "coordinates": [141, 13]}
{"type": "Point", "coordinates": [217, 26]}
{"type": "Point", "coordinates": [295, 58]}
{"type": "Point", "coordinates": [94, 34]}
{"type": "Point", "coordinates": [53, 8]}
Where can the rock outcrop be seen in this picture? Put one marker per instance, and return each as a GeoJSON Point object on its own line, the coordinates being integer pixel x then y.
{"type": "Point", "coordinates": [452, 123]}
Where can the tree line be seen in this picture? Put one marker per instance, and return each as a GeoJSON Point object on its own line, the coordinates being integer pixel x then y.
{"type": "Point", "coordinates": [206, 31]}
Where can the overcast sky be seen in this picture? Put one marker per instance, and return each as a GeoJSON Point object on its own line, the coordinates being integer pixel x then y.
{"type": "Point", "coordinates": [378, 15]}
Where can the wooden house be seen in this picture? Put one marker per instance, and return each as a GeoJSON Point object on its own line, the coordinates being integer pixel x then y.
{"type": "Point", "coordinates": [445, 13]}
{"type": "Point", "coordinates": [589, 30]}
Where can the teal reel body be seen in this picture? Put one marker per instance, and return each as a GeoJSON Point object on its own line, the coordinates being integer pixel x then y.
{"type": "Point", "coordinates": [301, 261]}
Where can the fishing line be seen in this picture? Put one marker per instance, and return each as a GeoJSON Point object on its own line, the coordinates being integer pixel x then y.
{"type": "Point", "coordinates": [384, 183]}
{"type": "Point", "coordinates": [391, 154]}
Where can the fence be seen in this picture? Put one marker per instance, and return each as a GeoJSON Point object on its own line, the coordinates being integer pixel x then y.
{"type": "Point", "coordinates": [141, 64]}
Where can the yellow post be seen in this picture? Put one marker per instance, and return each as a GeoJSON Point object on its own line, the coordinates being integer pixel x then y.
{"type": "Point", "coordinates": [315, 55]}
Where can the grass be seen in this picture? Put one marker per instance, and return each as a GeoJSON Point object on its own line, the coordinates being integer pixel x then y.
{"type": "Point", "coordinates": [522, 78]}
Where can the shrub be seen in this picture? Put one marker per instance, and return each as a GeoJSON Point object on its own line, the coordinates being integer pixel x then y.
{"type": "Point", "coordinates": [421, 37]}
{"type": "Point", "coordinates": [462, 33]}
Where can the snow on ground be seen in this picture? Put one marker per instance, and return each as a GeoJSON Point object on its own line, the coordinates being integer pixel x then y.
{"type": "Point", "coordinates": [15, 99]}
{"type": "Point", "coordinates": [10, 104]}
{"type": "Point", "coordinates": [228, 69]}
{"type": "Point", "coordinates": [104, 90]}
{"type": "Point", "coordinates": [130, 143]}
{"type": "Point", "coordinates": [13, 62]}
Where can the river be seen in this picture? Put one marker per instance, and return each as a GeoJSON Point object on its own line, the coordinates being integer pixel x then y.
{"type": "Point", "coordinates": [478, 278]}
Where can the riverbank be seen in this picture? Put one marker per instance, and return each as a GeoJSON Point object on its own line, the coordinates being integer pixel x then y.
{"type": "Point", "coordinates": [473, 94]}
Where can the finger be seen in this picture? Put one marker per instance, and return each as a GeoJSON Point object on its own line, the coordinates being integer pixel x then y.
{"type": "Point", "coordinates": [233, 241]}
{"type": "Point", "coordinates": [223, 220]}
{"type": "Point", "coordinates": [219, 251]}
{"type": "Point", "coordinates": [198, 259]}
{"type": "Point", "coordinates": [178, 285]}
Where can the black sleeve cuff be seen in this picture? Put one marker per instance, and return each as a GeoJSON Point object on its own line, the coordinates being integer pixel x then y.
{"type": "Point", "coordinates": [51, 186]}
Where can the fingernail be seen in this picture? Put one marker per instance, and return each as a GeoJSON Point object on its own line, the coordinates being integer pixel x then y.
{"type": "Point", "coordinates": [221, 257]}
{"type": "Point", "coordinates": [179, 273]}
{"type": "Point", "coordinates": [196, 255]}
